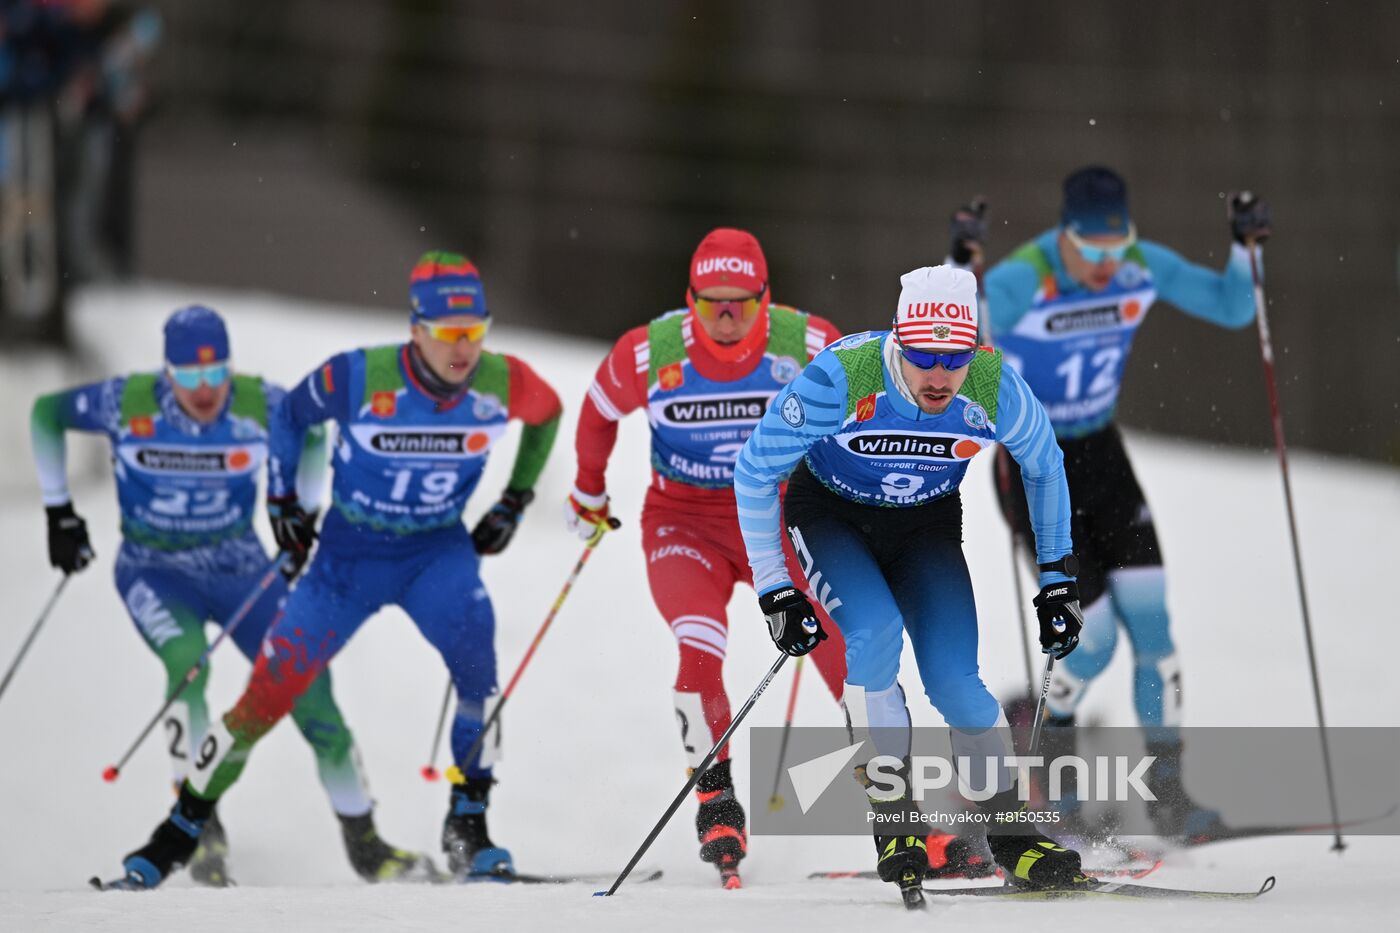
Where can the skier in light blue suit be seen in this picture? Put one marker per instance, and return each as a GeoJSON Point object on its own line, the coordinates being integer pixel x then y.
{"type": "Point", "coordinates": [880, 428]}
{"type": "Point", "coordinates": [1064, 309]}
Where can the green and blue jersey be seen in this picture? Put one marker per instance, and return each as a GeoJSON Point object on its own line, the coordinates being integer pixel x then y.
{"type": "Point", "coordinates": [182, 485]}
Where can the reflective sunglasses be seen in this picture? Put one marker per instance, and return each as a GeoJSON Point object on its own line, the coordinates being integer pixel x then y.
{"type": "Point", "coordinates": [1096, 254]}
{"type": "Point", "coordinates": [451, 333]}
{"type": "Point", "coordinates": [744, 309]}
{"type": "Point", "coordinates": [927, 360]}
{"type": "Point", "coordinates": [191, 377]}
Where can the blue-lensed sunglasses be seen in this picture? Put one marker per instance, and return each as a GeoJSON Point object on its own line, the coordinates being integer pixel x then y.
{"type": "Point", "coordinates": [1094, 254]}
{"type": "Point", "coordinates": [926, 360]}
{"type": "Point", "coordinates": [191, 377]}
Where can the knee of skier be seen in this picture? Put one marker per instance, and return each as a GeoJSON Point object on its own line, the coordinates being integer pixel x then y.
{"type": "Point", "coordinates": [1097, 641]}
{"type": "Point", "coordinates": [702, 641]}
{"type": "Point", "coordinates": [872, 662]}
{"type": "Point", "coordinates": [320, 722]}
{"type": "Point", "coordinates": [1140, 595]}
{"type": "Point", "coordinates": [964, 702]}
{"type": "Point", "coordinates": [182, 654]}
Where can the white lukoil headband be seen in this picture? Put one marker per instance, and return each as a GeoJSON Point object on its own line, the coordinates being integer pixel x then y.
{"type": "Point", "coordinates": [937, 309]}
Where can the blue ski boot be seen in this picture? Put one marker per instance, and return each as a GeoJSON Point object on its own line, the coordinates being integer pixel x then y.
{"type": "Point", "coordinates": [470, 851]}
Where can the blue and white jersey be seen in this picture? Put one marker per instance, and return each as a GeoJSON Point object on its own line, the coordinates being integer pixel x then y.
{"type": "Point", "coordinates": [1071, 344]}
{"type": "Point", "coordinates": [864, 438]}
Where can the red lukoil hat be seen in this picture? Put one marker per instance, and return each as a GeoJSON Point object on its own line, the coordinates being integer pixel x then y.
{"type": "Point", "coordinates": [729, 257]}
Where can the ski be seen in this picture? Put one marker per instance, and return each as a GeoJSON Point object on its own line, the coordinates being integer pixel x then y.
{"type": "Point", "coordinates": [126, 883]}
{"type": "Point", "coordinates": [933, 874]}
{"type": "Point", "coordinates": [515, 877]}
{"type": "Point", "coordinates": [1146, 851]}
{"type": "Point", "coordinates": [1091, 888]}
{"type": "Point", "coordinates": [1249, 832]}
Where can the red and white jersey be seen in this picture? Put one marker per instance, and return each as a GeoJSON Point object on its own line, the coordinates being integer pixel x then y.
{"type": "Point", "coordinates": [701, 407]}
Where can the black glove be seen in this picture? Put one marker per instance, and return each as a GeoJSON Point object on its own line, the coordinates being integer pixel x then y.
{"type": "Point", "coordinates": [1061, 620]}
{"type": "Point", "coordinates": [1249, 218]}
{"type": "Point", "coordinates": [497, 527]}
{"type": "Point", "coordinates": [792, 622]}
{"type": "Point", "coordinates": [294, 528]}
{"type": "Point", "coordinates": [967, 231]}
{"type": "Point", "coordinates": [69, 547]}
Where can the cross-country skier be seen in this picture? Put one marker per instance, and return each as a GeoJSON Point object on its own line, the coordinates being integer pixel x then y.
{"type": "Point", "coordinates": [880, 428]}
{"type": "Point", "coordinates": [188, 443]}
{"type": "Point", "coordinates": [415, 422]}
{"type": "Point", "coordinates": [1064, 309]}
{"type": "Point", "coordinates": [705, 374]}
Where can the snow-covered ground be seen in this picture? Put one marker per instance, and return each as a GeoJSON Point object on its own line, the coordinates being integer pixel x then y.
{"type": "Point", "coordinates": [591, 756]}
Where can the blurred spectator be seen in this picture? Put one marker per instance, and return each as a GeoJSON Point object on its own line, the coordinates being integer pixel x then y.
{"type": "Point", "coordinates": [101, 107]}
{"type": "Point", "coordinates": [72, 92]}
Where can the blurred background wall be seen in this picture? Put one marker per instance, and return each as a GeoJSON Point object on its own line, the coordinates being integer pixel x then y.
{"type": "Point", "coordinates": [578, 151]}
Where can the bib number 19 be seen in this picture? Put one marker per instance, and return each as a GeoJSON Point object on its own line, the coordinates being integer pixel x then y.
{"type": "Point", "coordinates": [436, 486]}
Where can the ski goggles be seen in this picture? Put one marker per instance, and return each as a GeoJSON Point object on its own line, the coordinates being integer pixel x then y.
{"type": "Point", "coordinates": [451, 333]}
{"type": "Point", "coordinates": [741, 309]}
{"type": "Point", "coordinates": [1095, 254]}
{"type": "Point", "coordinates": [212, 375]}
{"type": "Point", "coordinates": [925, 359]}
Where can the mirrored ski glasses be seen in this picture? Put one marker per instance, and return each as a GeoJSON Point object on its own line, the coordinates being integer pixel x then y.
{"type": "Point", "coordinates": [925, 359]}
{"type": "Point", "coordinates": [191, 377]}
{"type": "Point", "coordinates": [1097, 253]}
{"type": "Point", "coordinates": [744, 309]}
{"type": "Point", "coordinates": [451, 333]}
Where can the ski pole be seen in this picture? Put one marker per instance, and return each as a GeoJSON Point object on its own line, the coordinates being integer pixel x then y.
{"type": "Point", "coordinates": [1266, 351]}
{"type": "Point", "coordinates": [112, 772]}
{"type": "Point", "coordinates": [430, 773]}
{"type": "Point", "coordinates": [1003, 478]}
{"type": "Point", "coordinates": [775, 803]}
{"type": "Point", "coordinates": [695, 777]}
{"type": "Point", "coordinates": [1039, 721]}
{"type": "Point", "coordinates": [33, 633]}
{"type": "Point", "coordinates": [454, 773]}
{"type": "Point", "coordinates": [1020, 609]}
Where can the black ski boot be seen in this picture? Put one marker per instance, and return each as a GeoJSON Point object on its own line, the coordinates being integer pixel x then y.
{"type": "Point", "coordinates": [209, 866]}
{"type": "Point", "coordinates": [1174, 813]}
{"type": "Point", "coordinates": [901, 838]}
{"type": "Point", "coordinates": [375, 860]}
{"type": "Point", "coordinates": [469, 848]}
{"type": "Point", "coordinates": [1028, 857]}
{"type": "Point", "coordinates": [720, 824]}
{"type": "Point", "coordinates": [171, 845]}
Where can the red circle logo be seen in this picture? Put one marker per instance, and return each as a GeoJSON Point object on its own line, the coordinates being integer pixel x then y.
{"type": "Point", "coordinates": [1132, 310]}
{"type": "Point", "coordinates": [966, 449]}
{"type": "Point", "coordinates": [477, 442]}
{"type": "Point", "coordinates": [239, 459]}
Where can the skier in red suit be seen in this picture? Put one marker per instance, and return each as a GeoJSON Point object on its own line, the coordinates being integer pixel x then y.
{"type": "Point", "coordinates": [705, 374]}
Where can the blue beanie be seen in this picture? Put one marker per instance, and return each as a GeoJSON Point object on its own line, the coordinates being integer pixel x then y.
{"type": "Point", "coordinates": [1096, 203]}
{"type": "Point", "coordinates": [195, 335]}
{"type": "Point", "coordinates": [444, 284]}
